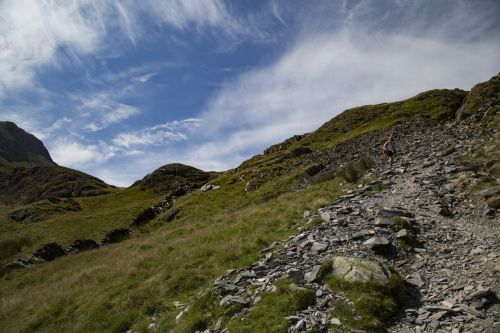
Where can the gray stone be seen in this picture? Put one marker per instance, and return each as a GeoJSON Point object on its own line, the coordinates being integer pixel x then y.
{"type": "Point", "coordinates": [376, 241]}
{"type": "Point", "coordinates": [327, 215]}
{"type": "Point", "coordinates": [313, 274]}
{"type": "Point", "coordinates": [360, 270]}
{"type": "Point", "coordinates": [401, 233]}
{"type": "Point", "coordinates": [218, 325]}
{"type": "Point", "coordinates": [478, 294]}
{"type": "Point", "coordinates": [335, 321]}
{"type": "Point", "coordinates": [209, 187]}
{"type": "Point", "coordinates": [363, 233]}
{"type": "Point", "coordinates": [467, 309]}
{"type": "Point", "coordinates": [384, 221]}
{"type": "Point", "coordinates": [416, 280]}
{"type": "Point", "coordinates": [490, 192]}
{"type": "Point", "coordinates": [301, 325]}
{"type": "Point", "coordinates": [393, 212]}
{"type": "Point", "coordinates": [318, 247]}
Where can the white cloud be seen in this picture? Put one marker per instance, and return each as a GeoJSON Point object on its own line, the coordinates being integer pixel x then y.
{"type": "Point", "coordinates": [72, 153]}
{"type": "Point", "coordinates": [145, 78]}
{"type": "Point", "coordinates": [158, 134]}
{"type": "Point", "coordinates": [103, 108]}
{"type": "Point", "coordinates": [326, 74]}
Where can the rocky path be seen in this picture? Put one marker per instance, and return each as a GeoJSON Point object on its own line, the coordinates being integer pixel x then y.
{"type": "Point", "coordinates": [452, 273]}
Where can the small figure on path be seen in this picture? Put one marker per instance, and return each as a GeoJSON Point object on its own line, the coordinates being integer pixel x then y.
{"type": "Point", "coordinates": [389, 149]}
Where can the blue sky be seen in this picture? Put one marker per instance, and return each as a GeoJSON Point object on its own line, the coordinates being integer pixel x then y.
{"type": "Point", "coordinates": [119, 88]}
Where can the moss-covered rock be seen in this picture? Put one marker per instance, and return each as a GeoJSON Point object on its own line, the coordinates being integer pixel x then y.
{"type": "Point", "coordinates": [359, 270]}
{"type": "Point", "coordinates": [374, 292]}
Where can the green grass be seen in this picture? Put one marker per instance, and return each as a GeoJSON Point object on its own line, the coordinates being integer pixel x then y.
{"type": "Point", "coordinates": [97, 216]}
{"type": "Point", "coordinates": [371, 305]}
{"type": "Point", "coordinates": [485, 160]}
{"type": "Point", "coordinates": [121, 285]}
{"type": "Point", "coordinates": [268, 316]}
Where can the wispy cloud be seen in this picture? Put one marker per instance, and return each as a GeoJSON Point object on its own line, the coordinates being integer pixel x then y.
{"type": "Point", "coordinates": [35, 34]}
{"type": "Point", "coordinates": [105, 110]}
{"type": "Point", "coordinates": [77, 152]}
{"type": "Point", "coordinates": [157, 135]}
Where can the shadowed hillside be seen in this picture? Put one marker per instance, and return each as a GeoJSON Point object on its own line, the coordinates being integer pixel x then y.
{"type": "Point", "coordinates": [28, 174]}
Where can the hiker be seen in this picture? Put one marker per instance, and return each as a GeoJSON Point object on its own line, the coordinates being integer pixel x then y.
{"type": "Point", "coordinates": [389, 149]}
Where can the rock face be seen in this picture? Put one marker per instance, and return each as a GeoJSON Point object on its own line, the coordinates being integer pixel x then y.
{"type": "Point", "coordinates": [17, 146]}
{"type": "Point", "coordinates": [360, 270]}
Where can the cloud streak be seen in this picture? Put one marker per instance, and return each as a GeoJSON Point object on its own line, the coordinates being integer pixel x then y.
{"type": "Point", "coordinates": [35, 34]}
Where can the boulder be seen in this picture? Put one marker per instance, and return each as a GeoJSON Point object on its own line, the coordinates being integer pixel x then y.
{"type": "Point", "coordinates": [327, 215]}
{"type": "Point", "coordinates": [209, 187]}
{"type": "Point", "coordinates": [143, 217]}
{"type": "Point", "coordinates": [81, 245]}
{"type": "Point", "coordinates": [49, 251]}
{"type": "Point", "coordinates": [116, 235]}
{"type": "Point", "coordinates": [360, 270]}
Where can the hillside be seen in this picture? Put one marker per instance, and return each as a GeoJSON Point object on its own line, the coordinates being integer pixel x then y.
{"type": "Point", "coordinates": [317, 233]}
{"type": "Point", "coordinates": [28, 174]}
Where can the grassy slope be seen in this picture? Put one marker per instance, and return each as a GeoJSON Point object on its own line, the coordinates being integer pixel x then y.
{"type": "Point", "coordinates": [98, 216]}
{"type": "Point", "coordinates": [117, 287]}
{"type": "Point", "coordinates": [114, 287]}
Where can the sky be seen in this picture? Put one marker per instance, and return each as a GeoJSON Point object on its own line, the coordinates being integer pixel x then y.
{"type": "Point", "coordinates": [119, 88]}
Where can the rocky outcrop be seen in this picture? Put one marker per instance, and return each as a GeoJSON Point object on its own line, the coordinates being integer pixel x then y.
{"type": "Point", "coordinates": [115, 236]}
{"type": "Point", "coordinates": [18, 146]}
{"type": "Point", "coordinates": [49, 252]}
{"type": "Point", "coordinates": [483, 101]}
{"type": "Point", "coordinates": [81, 245]}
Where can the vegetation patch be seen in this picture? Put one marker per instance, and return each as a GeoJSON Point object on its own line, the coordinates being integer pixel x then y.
{"type": "Point", "coordinates": [370, 305]}
{"type": "Point", "coordinates": [269, 314]}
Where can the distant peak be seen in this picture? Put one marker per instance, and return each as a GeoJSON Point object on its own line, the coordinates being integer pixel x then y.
{"type": "Point", "coordinates": [21, 147]}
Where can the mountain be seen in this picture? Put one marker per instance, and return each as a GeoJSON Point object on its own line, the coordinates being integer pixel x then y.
{"type": "Point", "coordinates": [28, 173]}
{"type": "Point", "coordinates": [318, 233]}
{"type": "Point", "coordinates": [19, 148]}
